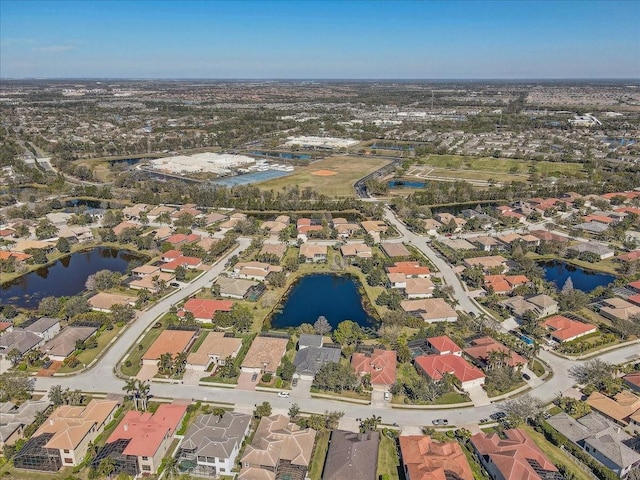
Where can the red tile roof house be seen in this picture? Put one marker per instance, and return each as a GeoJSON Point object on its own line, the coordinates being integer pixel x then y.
{"type": "Point", "coordinates": [633, 256]}
{"type": "Point", "coordinates": [204, 310]}
{"type": "Point", "coordinates": [381, 365]}
{"type": "Point", "coordinates": [563, 329]}
{"type": "Point", "coordinates": [186, 262]}
{"type": "Point", "coordinates": [435, 366]}
{"type": "Point", "coordinates": [511, 458]}
{"type": "Point", "coordinates": [482, 347]}
{"type": "Point", "coordinates": [171, 255]}
{"type": "Point", "coordinates": [503, 284]}
{"type": "Point", "coordinates": [169, 341]}
{"type": "Point", "coordinates": [410, 269]}
{"type": "Point", "coordinates": [182, 239]}
{"type": "Point", "coordinates": [426, 459]}
{"type": "Point", "coordinates": [142, 439]}
{"type": "Point", "coordinates": [443, 345]}
{"type": "Point", "coordinates": [632, 380]}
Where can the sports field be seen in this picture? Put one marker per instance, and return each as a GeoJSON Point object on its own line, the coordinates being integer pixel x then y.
{"type": "Point", "coordinates": [454, 165]}
{"type": "Point", "coordinates": [316, 175]}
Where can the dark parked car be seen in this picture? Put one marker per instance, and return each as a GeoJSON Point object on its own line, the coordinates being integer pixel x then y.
{"type": "Point", "coordinates": [294, 382]}
{"type": "Point", "coordinates": [526, 377]}
{"type": "Point", "coordinates": [254, 377]}
{"type": "Point", "coordinates": [498, 415]}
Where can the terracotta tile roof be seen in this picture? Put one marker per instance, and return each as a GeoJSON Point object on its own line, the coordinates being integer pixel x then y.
{"type": "Point", "coordinates": [147, 431]}
{"type": "Point", "coordinates": [171, 255]}
{"type": "Point", "coordinates": [443, 344]}
{"type": "Point", "coordinates": [619, 408]}
{"type": "Point", "coordinates": [504, 283]}
{"type": "Point", "coordinates": [105, 300]}
{"type": "Point", "coordinates": [426, 459]}
{"type": "Point", "coordinates": [481, 347]}
{"type": "Point", "coordinates": [206, 309]}
{"type": "Point", "coordinates": [430, 309]}
{"type": "Point", "coordinates": [309, 228]}
{"type": "Point", "coordinates": [121, 227]}
{"type": "Point", "coordinates": [18, 256]}
{"type": "Point", "coordinates": [70, 425]}
{"type": "Point", "coordinates": [181, 238]}
{"type": "Point", "coordinates": [435, 366]}
{"type": "Point", "coordinates": [629, 257]}
{"type": "Point", "coordinates": [265, 353]}
{"type": "Point", "coordinates": [381, 365]}
{"type": "Point", "coordinates": [182, 261]}
{"type": "Point", "coordinates": [410, 269]}
{"type": "Point", "coordinates": [510, 456]}
{"type": "Point", "coordinates": [169, 341]}
{"type": "Point", "coordinates": [565, 329]}
{"type": "Point", "coordinates": [633, 379]}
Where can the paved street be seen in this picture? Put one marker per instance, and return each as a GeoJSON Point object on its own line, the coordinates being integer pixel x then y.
{"type": "Point", "coordinates": [102, 379]}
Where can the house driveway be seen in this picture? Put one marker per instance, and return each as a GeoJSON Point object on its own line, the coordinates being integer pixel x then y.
{"type": "Point", "coordinates": [147, 372]}
{"type": "Point", "coordinates": [302, 389]}
{"type": "Point", "coordinates": [192, 377]}
{"type": "Point", "coordinates": [478, 396]}
{"type": "Point", "coordinates": [245, 383]}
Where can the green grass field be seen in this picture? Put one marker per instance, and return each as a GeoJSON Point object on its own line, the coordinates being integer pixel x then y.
{"type": "Point", "coordinates": [350, 169]}
{"type": "Point", "coordinates": [460, 164]}
{"type": "Point", "coordinates": [388, 461]}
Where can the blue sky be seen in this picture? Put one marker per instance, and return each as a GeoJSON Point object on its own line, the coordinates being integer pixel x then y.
{"type": "Point", "coordinates": [305, 39]}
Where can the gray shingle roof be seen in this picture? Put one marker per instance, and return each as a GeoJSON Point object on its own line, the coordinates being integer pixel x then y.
{"type": "Point", "coordinates": [352, 456]}
{"type": "Point", "coordinates": [309, 360]}
{"type": "Point", "coordinates": [20, 339]}
{"type": "Point", "coordinates": [213, 436]}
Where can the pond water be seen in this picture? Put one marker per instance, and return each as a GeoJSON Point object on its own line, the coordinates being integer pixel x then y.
{"type": "Point", "coordinates": [336, 297]}
{"type": "Point", "coordinates": [585, 280]}
{"type": "Point", "coordinates": [66, 277]}
{"type": "Point", "coordinates": [406, 184]}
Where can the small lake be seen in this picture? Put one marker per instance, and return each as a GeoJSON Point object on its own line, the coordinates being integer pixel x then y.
{"type": "Point", "coordinates": [405, 184]}
{"type": "Point", "coordinates": [66, 277]}
{"type": "Point", "coordinates": [336, 297]}
{"type": "Point", "coordinates": [585, 280]}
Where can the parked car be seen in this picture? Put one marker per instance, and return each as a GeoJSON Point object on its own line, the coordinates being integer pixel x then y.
{"type": "Point", "coordinates": [254, 377]}
{"type": "Point", "coordinates": [387, 396]}
{"type": "Point", "coordinates": [174, 284]}
{"type": "Point", "coordinates": [526, 377]}
{"type": "Point", "coordinates": [440, 421]}
{"type": "Point", "coordinates": [283, 394]}
{"type": "Point", "coordinates": [294, 382]}
{"type": "Point", "coordinates": [497, 415]}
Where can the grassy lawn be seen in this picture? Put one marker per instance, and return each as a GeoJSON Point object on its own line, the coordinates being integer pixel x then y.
{"type": "Point", "coordinates": [556, 455]}
{"type": "Point", "coordinates": [502, 165]}
{"type": "Point", "coordinates": [350, 169]}
{"type": "Point", "coordinates": [319, 455]}
{"type": "Point", "coordinates": [388, 461]}
{"type": "Point", "coordinates": [452, 397]}
{"type": "Point", "coordinates": [538, 368]}
{"type": "Point", "coordinates": [136, 354]}
{"type": "Point", "coordinates": [87, 356]}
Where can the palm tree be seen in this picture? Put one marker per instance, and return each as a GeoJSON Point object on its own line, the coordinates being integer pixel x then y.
{"type": "Point", "coordinates": [179, 363]}
{"type": "Point", "coordinates": [171, 467]}
{"type": "Point", "coordinates": [143, 391]}
{"type": "Point", "coordinates": [165, 363]}
{"type": "Point", "coordinates": [107, 466]}
{"type": "Point", "coordinates": [131, 387]}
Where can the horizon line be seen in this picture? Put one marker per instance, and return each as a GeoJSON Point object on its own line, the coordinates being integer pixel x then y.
{"type": "Point", "coordinates": [325, 79]}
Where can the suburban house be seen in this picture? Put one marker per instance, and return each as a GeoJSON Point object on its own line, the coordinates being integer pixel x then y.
{"type": "Point", "coordinates": [541, 305]}
{"type": "Point", "coordinates": [14, 419]}
{"type": "Point", "coordinates": [503, 284]}
{"type": "Point", "coordinates": [28, 337]}
{"type": "Point", "coordinates": [205, 309]}
{"type": "Point", "coordinates": [122, 226]}
{"type": "Point", "coordinates": [601, 438]}
{"type": "Point", "coordinates": [310, 359]}
{"type": "Point", "coordinates": [212, 444]}
{"type": "Point", "coordinates": [497, 262]}
{"type": "Point", "coordinates": [345, 230]}
{"type": "Point", "coordinates": [618, 409]}
{"type": "Point", "coordinates": [359, 250]}
{"type": "Point", "coordinates": [313, 252]}
{"type": "Point", "coordinates": [144, 270]}
{"type": "Point", "coordinates": [598, 249]}
{"type": "Point", "coordinates": [153, 283]}
{"type": "Point", "coordinates": [515, 457]}
{"type": "Point", "coordinates": [431, 226]}
{"type": "Point", "coordinates": [394, 249]}
{"type": "Point", "coordinates": [214, 350]}
{"type": "Point", "coordinates": [410, 269]}
{"type": "Point", "coordinates": [190, 263]}
{"type": "Point", "coordinates": [413, 287]}
{"type": "Point", "coordinates": [142, 439]}
{"type": "Point", "coordinates": [352, 456]}
{"type": "Point", "coordinates": [280, 449]}
{"type": "Point", "coordinates": [6, 327]}
{"type": "Point", "coordinates": [481, 350]}
{"type": "Point", "coordinates": [435, 366]}
{"type": "Point", "coordinates": [179, 239]}
{"type": "Point", "coordinates": [443, 345]}
{"type": "Point", "coordinates": [273, 226]}
{"type": "Point", "coordinates": [104, 301]}
{"type": "Point", "coordinates": [169, 341]}
{"type": "Point", "coordinates": [486, 244]}
{"type": "Point", "coordinates": [254, 270]}
{"type": "Point", "coordinates": [374, 228]}
{"type": "Point", "coordinates": [62, 440]}
{"type": "Point", "coordinates": [618, 309]}
{"type": "Point", "coordinates": [265, 355]}
{"type": "Point", "coordinates": [563, 329]}
{"type": "Point", "coordinates": [276, 249]}
{"type": "Point", "coordinates": [64, 344]}
{"type": "Point", "coordinates": [426, 459]}
{"type": "Point", "coordinates": [430, 309]}
{"type": "Point", "coordinates": [238, 288]}
{"type": "Point", "coordinates": [381, 365]}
